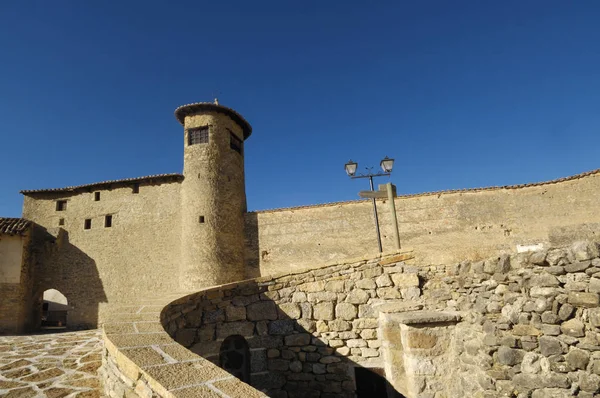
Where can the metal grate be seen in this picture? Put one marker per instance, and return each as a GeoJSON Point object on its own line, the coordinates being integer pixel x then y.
{"type": "Point", "coordinates": [198, 136]}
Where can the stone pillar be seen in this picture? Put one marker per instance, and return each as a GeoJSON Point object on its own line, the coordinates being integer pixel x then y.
{"type": "Point", "coordinates": [415, 350]}
{"type": "Point", "coordinates": [213, 196]}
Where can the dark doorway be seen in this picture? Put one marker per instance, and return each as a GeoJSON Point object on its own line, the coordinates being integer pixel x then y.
{"type": "Point", "coordinates": [234, 357]}
{"type": "Point", "coordinates": [371, 383]}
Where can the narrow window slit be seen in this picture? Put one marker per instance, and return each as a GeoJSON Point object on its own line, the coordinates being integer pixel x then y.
{"type": "Point", "coordinates": [108, 221]}
{"type": "Point", "coordinates": [87, 224]}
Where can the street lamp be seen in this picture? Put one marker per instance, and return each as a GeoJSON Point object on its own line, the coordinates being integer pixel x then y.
{"type": "Point", "coordinates": [386, 165]}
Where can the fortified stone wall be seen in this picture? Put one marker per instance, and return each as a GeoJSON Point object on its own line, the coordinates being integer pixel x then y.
{"type": "Point", "coordinates": [15, 283]}
{"type": "Point", "coordinates": [442, 227]}
{"type": "Point", "coordinates": [102, 265]}
{"type": "Point", "coordinates": [513, 325]}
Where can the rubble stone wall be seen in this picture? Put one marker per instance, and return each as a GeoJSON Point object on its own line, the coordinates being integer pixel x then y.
{"type": "Point", "coordinates": [513, 325]}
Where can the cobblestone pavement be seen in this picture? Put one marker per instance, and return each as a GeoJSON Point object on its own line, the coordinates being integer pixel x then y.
{"type": "Point", "coordinates": [51, 365]}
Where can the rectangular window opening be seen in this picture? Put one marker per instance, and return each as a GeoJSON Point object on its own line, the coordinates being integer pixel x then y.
{"type": "Point", "coordinates": [198, 135]}
{"type": "Point", "coordinates": [97, 196]}
{"type": "Point", "coordinates": [201, 219]}
{"type": "Point", "coordinates": [61, 205]}
{"type": "Point", "coordinates": [108, 221]}
{"type": "Point", "coordinates": [61, 221]}
{"type": "Point", "coordinates": [135, 188]}
{"type": "Point", "coordinates": [87, 224]}
{"type": "Point", "coordinates": [235, 143]}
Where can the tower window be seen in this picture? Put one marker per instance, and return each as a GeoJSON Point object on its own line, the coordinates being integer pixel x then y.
{"type": "Point", "coordinates": [61, 205]}
{"type": "Point", "coordinates": [61, 221]}
{"type": "Point", "coordinates": [135, 188]}
{"type": "Point", "coordinates": [201, 219]}
{"type": "Point", "coordinates": [87, 224]}
{"type": "Point", "coordinates": [198, 135]}
{"type": "Point", "coordinates": [97, 196]}
{"type": "Point", "coordinates": [235, 143]}
{"type": "Point", "coordinates": [107, 221]}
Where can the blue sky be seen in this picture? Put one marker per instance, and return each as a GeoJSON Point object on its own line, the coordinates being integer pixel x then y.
{"type": "Point", "coordinates": [461, 94]}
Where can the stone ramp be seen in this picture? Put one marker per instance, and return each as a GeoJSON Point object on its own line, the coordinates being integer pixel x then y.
{"type": "Point", "coordinates": [52, 365]}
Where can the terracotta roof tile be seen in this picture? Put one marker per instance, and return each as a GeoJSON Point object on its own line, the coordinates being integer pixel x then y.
{"type": "Point", "coordinates": [464, 190]}
{"type": "Point", "coordinates": [105, 184]}
{"type": "Point", "coordinates": [13, 226]}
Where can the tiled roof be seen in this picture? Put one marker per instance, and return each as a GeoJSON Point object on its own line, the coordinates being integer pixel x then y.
{"type": "Point", "coordinates": [13, 226]}
{"type": "Point", "coordinates": [106, 184]}
{"type": "Point", "coordinates": [190, 109]}
{"type": "Point", "coordinates": [466, 190]}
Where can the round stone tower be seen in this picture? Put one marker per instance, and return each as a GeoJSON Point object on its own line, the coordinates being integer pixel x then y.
{"type": "Point", "coordinates": [213, 195]}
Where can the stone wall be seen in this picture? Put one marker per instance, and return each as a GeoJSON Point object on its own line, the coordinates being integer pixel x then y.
{"type": "Point", "coordinates": [521, 325]}
{"type": "Point", "coordinates": [104, 266]}
{"type": "Point", "coordinates": [442, 227]}
{"type": "Point", "coordinates": [15, 283]}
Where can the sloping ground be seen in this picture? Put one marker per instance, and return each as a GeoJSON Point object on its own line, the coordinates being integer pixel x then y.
{"type": "Point", "coordinates": [51, 365]}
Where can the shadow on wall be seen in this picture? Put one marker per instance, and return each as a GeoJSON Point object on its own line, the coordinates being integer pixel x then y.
{"type": "Point", "coordinates": [252, 255]}
{"type": "Point", "coordinates": [62, 266]}
{"type": "Point", "coordinates": [272, 347]}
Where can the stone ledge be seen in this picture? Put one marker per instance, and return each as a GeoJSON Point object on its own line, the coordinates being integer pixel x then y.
{"type": "Point", "coordinates": [424, 317]}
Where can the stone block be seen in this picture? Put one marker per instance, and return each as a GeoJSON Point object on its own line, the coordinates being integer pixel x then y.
{"type": "Point", "coordinates": [278, 365]}
{"type": "Point", "coordinates": [584, 299]}
{"type": "Point", "coordinates": [258, 361]}
{"type": "Point", "coordinates": [526, 330]}
{"type": "Point", "coordinates": [405, 280]}
{"type": "Point", "coordinates": [509, 356]}
{"type": "Point", "coordinates": [300, 339]}
{"type": "Point", "coordinates": [531, 363]}
{"type": "Point", "coordinates": [383, 281]}
{"type": "Point", "coordinates": [550, 346]}
{"type": "Point", "coordinates": [584, 250]}
{"type": "Point", "coordinates": [589, 382]}
{"type": "Point", "coordinates": [321, 297]}
{"type": "Point", "coordinates": [577, 267]}
{"type": "Point", "coordinates": [298, 297]}
{"type": "Point", "coordinates": [262, 310]}
{"type": "Point", "coordinates": [339, 325]}
{"type": "Point", "coordinates": [594, 285]}
{"type": "Point", "coordinates": [565, 312]}
{"type": "Point", "coordinates": [323, 311]}
{"type": "Point", "coordinates": [365, 284]}
{"type": "Point", "coordinates": [335, 286]}
{"type": "Point", "coordinates": [577, 359]}
{"type": "Point", "coordinates": [318, 286]}
{"type": "Point", "coordinates": [389, 293]}
{"type": "Point", "coordinates": [538, 258]}
{"type": "Point", "coordinates": [357, 296]}
{"type": "Point", "coordinates": [227, 329]}
{"type": "Point", "coordinates": [185, 337]}
{"type": "Point", "coordinates": [594, 316]}
{"type": "Point", "coordinates": [281, 327]}
{"type": "Point", "coordinates": [573, 328]}
{"type": "Point", "coordinates": [544, 280]}
{"type": "Point", "coordinates": [289, 310]}
{"type": "Point", "coordinates": [233, 313]}
{"type": "Point", "coordinates": [346, 311]}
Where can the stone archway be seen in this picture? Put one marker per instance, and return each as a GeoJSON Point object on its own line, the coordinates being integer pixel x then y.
{"type": "Point", "coordinates": [234, 357]}
{"type": "Point", "coordinates": [55, 309]}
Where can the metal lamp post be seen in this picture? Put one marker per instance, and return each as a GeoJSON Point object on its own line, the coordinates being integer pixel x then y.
{"type": "Point", "coordinates": [386, 165]}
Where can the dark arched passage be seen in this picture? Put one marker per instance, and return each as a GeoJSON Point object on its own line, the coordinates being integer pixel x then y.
{"type": "Point", "coordinates": [234, 357]}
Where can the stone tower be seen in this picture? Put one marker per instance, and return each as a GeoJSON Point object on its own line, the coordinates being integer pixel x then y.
{"type": "Point", "coordinates": [213, 195]}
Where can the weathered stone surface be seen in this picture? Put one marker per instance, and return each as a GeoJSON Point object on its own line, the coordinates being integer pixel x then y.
{"type": "Point", "coordinates": [577, 359]}
{"type": "Point", "coordinates": [526, 330]}
{"type": "Point", "coordinates": [357, 296]}
{"type": "Point", "coordinates": [573, 327]}
{"type": "Point", "coordinates": [383, 281]}
{"type": "Point", "coordinates": [509, 356]}
{"type": "Point", "coordinates": [233, 313]}
{"type": "Point", "coordinates": [300, 339]}
{"type": "Point", "coordinates": [418, 339]}
{"type": "Point", "coordinates": [565, 312]}
{"type": "Point", "coordinates": [589, 382]}
{"type": "Point", "coordinates": [594, 285]}
{"type": "Point", "coordinates": [323, 311]}
{"type": "Point", "coordinates": [405, 280]}
{"type": "Point", "coordinates": [346, 311]}
{"type": "Point", "coordinates": [531, 363]}
{"type": "Point", "coordinates": [544, 280]}
{"type": "Point", "coordinates": [594, 315]}
{"type": "Point", "coordinates": [290, 310]}
{"type": "Point", "coordinates": [262, 310]}
{"type": "Point", "coordinates": [577, 267]}
{"type": "Point", "coordinates": [550, 346]}
{"type": "Point", "coordinates": [584, 299]}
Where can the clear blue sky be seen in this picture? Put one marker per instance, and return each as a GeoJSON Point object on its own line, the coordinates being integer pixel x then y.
{"type": "Point", "coordinates": [461, 94]}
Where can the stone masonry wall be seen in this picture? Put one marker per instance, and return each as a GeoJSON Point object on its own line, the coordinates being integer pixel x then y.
{"type": "Point", "coordinates": [442, 227]}
{"type": "Point", "coordinates": [520, 325]}
{"type": "Point", "coordinates": [103, 266]}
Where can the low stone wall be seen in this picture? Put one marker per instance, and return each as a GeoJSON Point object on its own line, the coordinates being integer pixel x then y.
{"type": "Point", "coordinates": [140, 360]}
{"type": "Point", "coordinates": [521, 325]}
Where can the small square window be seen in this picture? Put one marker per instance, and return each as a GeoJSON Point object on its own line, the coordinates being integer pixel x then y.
{"type": "Point", "coordinates": [201, 219]}
{"type": "Point", "coordinates": [198, 135]}
{"type": "Point", "coordinates": [61, 205]}
{"type": "Point", "coordinates": [108, 221]}
{"type": "Point", "coordinates": [61, 221]}
{"type": "Point", "coordinates": [135, 188]}
{"type": "Point", "coordinates": [87, 224]}
{"type": "Point", "coordinates": [235, 143]}
{"type": "Point", "coordinates": [97, 196]}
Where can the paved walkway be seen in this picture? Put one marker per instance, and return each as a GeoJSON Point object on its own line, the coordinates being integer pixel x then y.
{"type": "Point", "coordinates": [51, 365]}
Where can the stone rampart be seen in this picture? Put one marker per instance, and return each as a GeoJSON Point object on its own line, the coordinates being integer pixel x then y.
{"type": "Point", "coordinates": [442, 227]}
{"type": "Point", "coordinates": [513, 325]}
